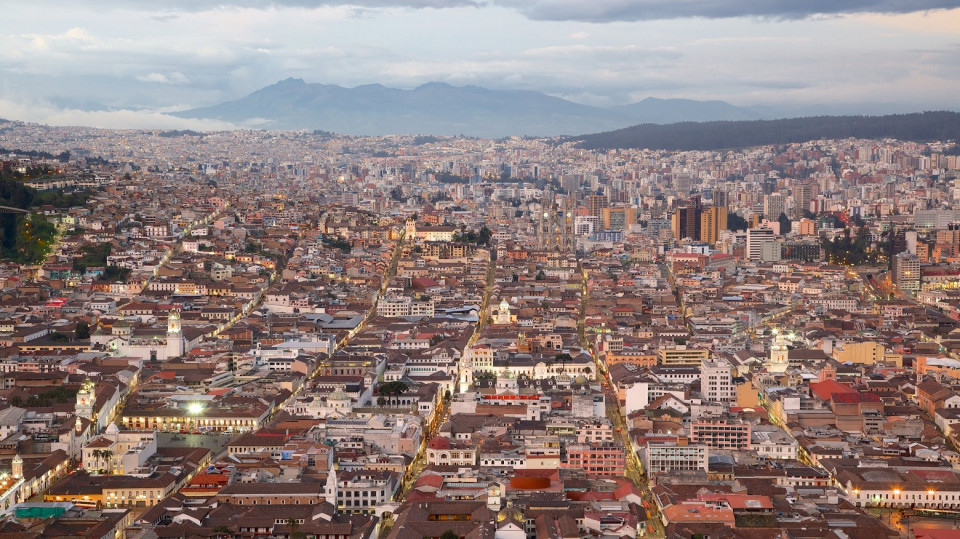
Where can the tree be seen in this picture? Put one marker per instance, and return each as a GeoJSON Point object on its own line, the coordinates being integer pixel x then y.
{"type": "Point", "coordinates": [381, 401]}
{"type": "Point", "coordinates": [483, 237]}
{"type": "Point", "coordinates": [449, 534]}
{"type": "Point", "coordinates": [294, 525]}
{"type": "Point", "coordinates": [83, 330]}
{"type": "Point", "coordinates": [735, 222]}
{"type": "Point", "coordinates": [785, 224]}
{"type": "Point", "coordinates": [107, 455]}
{"type": "Point", "coordinates": [392, 390]}
{"type": "Point", "coordinates": [485, 375]}
{"type": "Point", "coordinates": [563, 358]}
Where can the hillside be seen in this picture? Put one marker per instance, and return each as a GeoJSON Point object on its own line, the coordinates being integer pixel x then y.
{"type": "Point", "coordinates": [925, 126]}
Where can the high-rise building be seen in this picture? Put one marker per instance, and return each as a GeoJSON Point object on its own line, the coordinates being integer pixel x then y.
{"type": "Point", "coordinates": [596, 204]}
{"type": "Point", "coordinates": [906, 272]}
{"type": "Point", "coordinates": [773, 206]}
{"type": "Point", "coordinates": [712, 222]}
{"type": "Point", "coordinates": [570, 183]}
{"type": "Point", "coordinates": [686, 219]}
{"type": "Point", "coordinates": [681, 183]}
{"type": "Point", "coordinates": [803, 194]}
{"type": "Point", "coordinates": [716, 381]}
{"type": "Point", "coordinates": [720, 198]}
{"type": "Point", "coordinates": [756, 237]}
{"type": "Point", "coordinates": [618, 218]}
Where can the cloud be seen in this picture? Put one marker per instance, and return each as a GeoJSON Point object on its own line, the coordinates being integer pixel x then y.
{"type": "Point", "coordinates": [601, 11]}
{"type": "Point", "coordinates": [175, 6]}
{"type": "Point", "coordinates": [173, 78]}
{"type": "Point", "coordinates": [44, 112]}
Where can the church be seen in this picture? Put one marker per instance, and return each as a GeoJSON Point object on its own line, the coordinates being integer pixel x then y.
{"type": "Point", "coordinates": [153, 344]}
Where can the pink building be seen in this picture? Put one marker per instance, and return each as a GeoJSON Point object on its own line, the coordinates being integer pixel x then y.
{"type": "Point", "coordinates": [605, 459]}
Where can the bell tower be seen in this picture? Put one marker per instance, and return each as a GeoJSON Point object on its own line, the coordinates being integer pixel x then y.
{"type": "Point", "coordinates": [779, 355]}
{"type": "Point", "coordinates": [85, 400]}
{"type": "Point", "coordinates": [17, 467]}
{"type": "Point", "coordinates": [173, 322]}
{"type": "Point", "coordinates": [175, 346]}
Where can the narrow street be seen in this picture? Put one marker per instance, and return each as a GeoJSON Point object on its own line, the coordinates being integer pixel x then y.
{"type": "Point", "coordinates": [634, 468]}
{"type": "Point", "coordinates": [420, 461]}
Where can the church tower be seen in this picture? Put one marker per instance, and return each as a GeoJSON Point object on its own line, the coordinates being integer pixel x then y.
{"type": "Point", "coordinates": [17, 467]}
{"type": "Point", "coordinates": [175, 345]}
{"type": "Point", "coordinates": [85, 400]}
{"type": "Point", "coordinates": [779, 355]}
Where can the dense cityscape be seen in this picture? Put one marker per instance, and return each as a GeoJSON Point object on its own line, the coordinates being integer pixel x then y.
{"type": "Point", "coordinates": [299, 334]}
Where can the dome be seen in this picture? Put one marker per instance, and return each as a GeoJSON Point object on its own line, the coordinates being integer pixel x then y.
{"type": "Point", "coordinates": [338, 395]}
{"type": "Point", "coordinates": [510, 513]}
{"type": "Point", "coordinates": [439, 442]}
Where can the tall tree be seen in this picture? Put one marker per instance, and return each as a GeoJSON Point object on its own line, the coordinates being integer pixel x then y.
{"type": "Point", "coordinates": [785, 224]}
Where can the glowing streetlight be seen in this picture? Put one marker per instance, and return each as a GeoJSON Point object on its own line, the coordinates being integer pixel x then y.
{"type": "Point", "coordinates": [896, 492]}
{"type": "Point", "coordinates": [195, 408]}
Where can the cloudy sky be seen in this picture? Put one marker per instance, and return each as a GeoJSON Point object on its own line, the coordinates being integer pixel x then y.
{"type": "Point", "coordinates": [121, 63]}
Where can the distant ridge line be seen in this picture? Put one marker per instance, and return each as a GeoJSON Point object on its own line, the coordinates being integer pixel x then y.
{"type": "Point", "coordinates": [722, 135]}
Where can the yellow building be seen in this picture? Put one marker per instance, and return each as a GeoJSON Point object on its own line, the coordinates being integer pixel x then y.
{"type": "Point", "coordinates": [712, 222]}
{"type": "Point", "coordinates": [807, 227]}
{"type": "Point", "coordinates": [618, 218]}
{"type": "Point", "coordinates": [682, 355]}
{"type": "Point", "coordinates": [748, 395]}
{"type": "Point", "coordinates": [865, 353]}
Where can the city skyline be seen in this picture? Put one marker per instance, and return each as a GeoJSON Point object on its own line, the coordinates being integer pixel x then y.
{"type": "Point", "coordinates": [121, 65]}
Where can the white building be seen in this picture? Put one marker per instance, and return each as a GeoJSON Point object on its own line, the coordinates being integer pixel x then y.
{"type": "Point", "coordinates": [756, 237]}
{"type": "Point", "coordinates": [658, 457]}
{"type": "Point", "coordinates": [716, 381]}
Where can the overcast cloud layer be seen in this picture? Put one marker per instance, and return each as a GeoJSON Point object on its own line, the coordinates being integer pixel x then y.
{"type": "Point", "coordinates": [121, 63]}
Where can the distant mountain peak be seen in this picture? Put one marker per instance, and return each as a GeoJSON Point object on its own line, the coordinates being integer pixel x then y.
{"type": "Point", "coordinates": [439, 108]}
{"type": "Point", "coordinates": [434, 84]}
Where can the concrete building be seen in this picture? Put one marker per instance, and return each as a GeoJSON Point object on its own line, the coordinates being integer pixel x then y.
{"type": "Point", "coordinates": [716, 381]}
{"type": "Point", "coordinates": [659, 457]}
{"type": "Point", "coordinates": [712, 222]}
{"type": "Point", "coordinates": [721, 433]}
{"type": "Point", "coordinates": [682, 355]}
{"type": "Point", "coordinates": [906, 272]}
{"type": "Point", "coordinates": [756, 237]}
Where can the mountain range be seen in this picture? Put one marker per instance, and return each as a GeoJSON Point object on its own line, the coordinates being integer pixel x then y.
{"type": "Point", "coordinates": [441, 109]}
